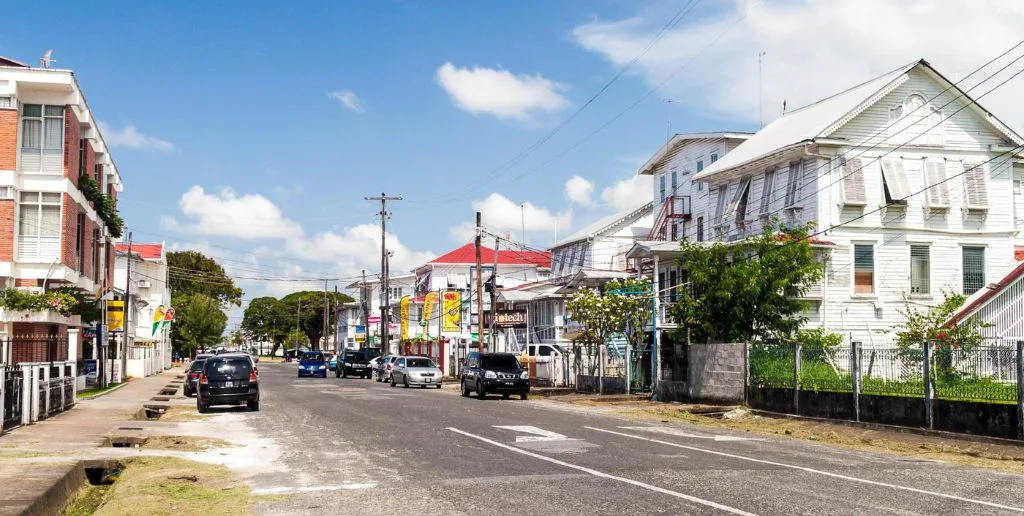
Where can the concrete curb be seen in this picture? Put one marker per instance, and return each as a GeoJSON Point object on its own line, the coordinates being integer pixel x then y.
{"type": "Point", "coordinates": [893, 428]}
{"type": "Point", "coordinates": [57, 497]}
{"type": "Point", "coordinates": [104, 393]}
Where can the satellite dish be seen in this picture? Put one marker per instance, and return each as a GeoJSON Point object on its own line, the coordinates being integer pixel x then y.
{"type": "Point", "coordinates": [46, 60]}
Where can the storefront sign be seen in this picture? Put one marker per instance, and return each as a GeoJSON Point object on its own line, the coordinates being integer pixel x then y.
{"type": "Point", "coordinates": [451, 306]}
{"type": "Point", "coordinates": [115, 315]}
{"type": "Point", "coordinates": [507, 318]}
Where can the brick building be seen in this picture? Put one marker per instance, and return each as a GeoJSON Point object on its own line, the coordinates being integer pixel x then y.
{"type": "Point", "coordinates": [54, 166]}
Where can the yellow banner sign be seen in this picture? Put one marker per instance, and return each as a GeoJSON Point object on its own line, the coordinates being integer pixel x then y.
{"type": "Point", "coordinates": [428, 306]}
{"type": "Point", "coordinates": [451, 306]}
{"type": "Point", "coordinates": [115, 315]}
{"type": "Point", "coordinates": [403, 314]}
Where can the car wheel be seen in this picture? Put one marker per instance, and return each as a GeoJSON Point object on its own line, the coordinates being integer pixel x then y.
{"type": "Point", "coordinates": [524, 396]}
{"type": "Point", "coordinates": [337, 374]}
{"type": "Point", "coordinates": [392, 381]}
{"type": "Point", "coordinates": [423, 386]}
{"type": "Point", "coordinates": [202, 407]}
{"type": "Point", "coordinates": [465, 390]}
{"type": "Point", "coordinates": [254, 406]}
{"type": "Point", "coordinates": [480, 393]}
{"type": "Point", "coordinates": [438, 386]}
{"type": "Point", "coordinates": [505, 396]}
{"type": "Point", "coordinates": [344, 373]}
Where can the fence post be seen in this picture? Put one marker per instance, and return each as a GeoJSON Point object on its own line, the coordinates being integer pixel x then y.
{"type": "Point", "coordinates": [796, 378]}
{"type": "Point", "coordinates": [928, 395]}
{"type": "Point", "coordinates": [746, 374]}
{"type": "Point", "coordinates": [600, 369]}
{"type": "Point", "coordinates": [1020, 389]}
{"type": "Point", "coordinates": [855, 377]}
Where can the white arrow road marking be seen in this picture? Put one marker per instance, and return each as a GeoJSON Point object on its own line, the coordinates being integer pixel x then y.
{"type": "Point", "coordinates": [680, 433]}
{"type": "Point", "coordinates": [601, 474]}
{"type": "Point", "coordinates": [538, 434]}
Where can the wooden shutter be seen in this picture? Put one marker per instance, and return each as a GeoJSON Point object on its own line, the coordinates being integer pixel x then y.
{"type": "Point", "coordinates": [975, 185]}
{"type": "Point", "coordinates": [895, 177]}
{"type": "Point", "coordinates": [740, 192]}
{"type": "Point", "coordinates": [938, 188]}
{"type": "Point", "coordinates": [854, 192]}
{"type": "Point", "coordinates": [766, 191]}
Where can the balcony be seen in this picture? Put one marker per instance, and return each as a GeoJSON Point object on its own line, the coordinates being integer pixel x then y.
{"type": "Point", "coordinates": [675, 208]}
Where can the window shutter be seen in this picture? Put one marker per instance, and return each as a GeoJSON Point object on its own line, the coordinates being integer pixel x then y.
{"type": "Point", "coordinates": [793, 184]}
{"type": "Point", "coordinates": [740, 192]}
{"type": "Point", "coordinates": [975, 188]}
{"type": "Point", "coordinates": [895, 179]}
{"type": "Point", "coordinates": [938, 188]}
{"type": "Point", "coordinates": [854, 192]}
{"type": "Point", "coordinates": [766, 191]}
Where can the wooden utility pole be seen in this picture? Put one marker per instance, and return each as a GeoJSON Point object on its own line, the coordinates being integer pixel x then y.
{"type": "Point", "coordinates": [365, 307]}
{"type": "Point", "coordinates": [323, 327]}
{"type": "Point", "coordinates": [479, 288]}
{"type": "Point", "coordinates": [493, 334]}
{"type": "Point", "coordinates": [337, 323]}
{"type": "Point", "coordinates": [385, 301]}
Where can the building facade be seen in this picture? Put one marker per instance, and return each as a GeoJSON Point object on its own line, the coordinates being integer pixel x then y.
{"type": "Point", "coordinates": [144, 286]}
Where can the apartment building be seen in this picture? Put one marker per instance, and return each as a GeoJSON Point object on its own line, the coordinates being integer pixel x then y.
{"type": "Point", "coordinates": [145, 283]}
{"type": "Point", "coordinates": [58, 182]}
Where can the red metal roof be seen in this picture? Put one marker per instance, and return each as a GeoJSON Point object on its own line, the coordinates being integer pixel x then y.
{"type": "Point", "coordinates": [467, 255]}
{"type": "Point", "coordinates": [145, 251]}
{"type": "Point", "coordinates": [983, 296]}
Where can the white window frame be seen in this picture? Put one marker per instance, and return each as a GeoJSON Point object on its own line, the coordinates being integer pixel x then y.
{"type": "Point", "coordinates": [963, 269]}
{"type": "Point", "coordinates": [42, 234]}
{"type": "Point", "coordinates": [767, 188]}
{"type": "Point", "coordinates": [8, 102]}
{"type": "Point", "coordinates": [714, 157]}
{"type": "Point", "coordinates": [921, 286]}
{"type": "Point", "coordinates": [854, 189]}
{"type": "Point", "coordinates": [793, 183]}
{"type": "Point", "coordinates": [894, 181]}
{"type": "Point", "coordinates": [874, 269]}
{"type": "Point", "coordinates": [936, 179]}
{"type": "Point", "coordinates": [720, 204]}
{"type": "Point", "coordinates": [661, 187]}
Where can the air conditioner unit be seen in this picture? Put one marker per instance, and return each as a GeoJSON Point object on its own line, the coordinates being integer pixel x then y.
{"type": "Point", "coordinates": [143, 283]}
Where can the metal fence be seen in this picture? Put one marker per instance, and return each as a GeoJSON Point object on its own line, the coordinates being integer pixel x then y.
{"type": "Point", "coordinates": [13, 378]}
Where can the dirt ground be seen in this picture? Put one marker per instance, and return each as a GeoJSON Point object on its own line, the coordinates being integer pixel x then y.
{"type": "Point", "coordinates": [1002, 457]}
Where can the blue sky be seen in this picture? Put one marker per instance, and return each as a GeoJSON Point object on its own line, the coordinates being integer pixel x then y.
{"type": "Point", "coordinates": [199, 97]}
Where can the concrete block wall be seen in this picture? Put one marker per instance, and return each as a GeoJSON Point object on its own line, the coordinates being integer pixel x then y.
{"type": "Point", "coordinates": [714, 373]}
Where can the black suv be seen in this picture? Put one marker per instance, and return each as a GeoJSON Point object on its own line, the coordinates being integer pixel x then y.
{"type": "Point", "coordinates": [228, 380]}
{"type": "Point", "coordinates": [498, 373]}
{"type": "Point", "coordinates": [355, 362]}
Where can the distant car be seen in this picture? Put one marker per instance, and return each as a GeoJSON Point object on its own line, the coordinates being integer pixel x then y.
{"type": "Point", "coordinates": [416, 371]}
{"type": "Point", "coordinates": [192, 377]}
{"type": "Point", "coordinates": [228, 380]}
{"type": "Point", "coordinates": [374, 363]}
{"type": "Point", "coordinates": [384, 368]}
{"type": "Point", "coordinates": [498, 373]}
{"type": "Point", "coordinates": [312, 363]}
{"type": "Point", "coordinates": [332, 363]}
{"type": "Point", "coordinates": [355, 362]}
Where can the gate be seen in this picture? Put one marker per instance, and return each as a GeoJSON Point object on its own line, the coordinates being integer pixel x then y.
{"type": "Point", "coordinates": [12, 397]}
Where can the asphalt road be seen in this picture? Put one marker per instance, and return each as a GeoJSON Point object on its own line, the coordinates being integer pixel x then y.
{"type": "Point", "coordinates": [354, 446]}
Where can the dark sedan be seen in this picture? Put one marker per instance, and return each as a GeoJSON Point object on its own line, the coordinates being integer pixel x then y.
{"type": "Point", "coordinates": [228, 380]}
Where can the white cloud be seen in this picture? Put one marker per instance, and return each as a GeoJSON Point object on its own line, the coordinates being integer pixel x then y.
{"type": "Point", "coordinates": [628, 193]}
{"type": "Point", "coordinates": [579, 190]}
{"type": "Point", "coordinates": [814, 48]}
{"type": "Point", "coordinates": [499, 93]}
{"type": "Point", "coordinates": [248, 216]}
{"type": "Point", "coordinates": [131, 138]}
{"type": "Point", "coordinates": [348, 99]}
{"type": "Point", "coordinates": [501, 215]}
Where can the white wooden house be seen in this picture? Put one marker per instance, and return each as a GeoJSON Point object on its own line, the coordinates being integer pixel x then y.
{"type": "Point", "coordinates": [603, 244]}
{"type": "Point", "coordinates": [911, 184]}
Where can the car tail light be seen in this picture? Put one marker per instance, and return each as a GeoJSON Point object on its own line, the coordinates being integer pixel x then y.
{"type": "Point", "coordinates": [203, 379]}
{"type": "Point", "coordinates": [252, 377]}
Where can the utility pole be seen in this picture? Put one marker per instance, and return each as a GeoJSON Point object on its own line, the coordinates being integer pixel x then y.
{"type": "Point", "coordinates": [127, 309]}
{"type": "Point", "coordinates": [323, 329]}
{"type": "Point", "coordinates": [479, 288]}
{"type": "Point", "coordinates": [364, 306]}
{"type": "Point", "coordinates": [384, 309]}
{"type": "Point", "coordinates": [494, 299]}
{"type": "Point", "coordinates": [337, 323]}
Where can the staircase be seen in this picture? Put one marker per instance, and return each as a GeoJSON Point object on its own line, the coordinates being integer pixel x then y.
{"type": "Point", "coordinates": [675, 208]}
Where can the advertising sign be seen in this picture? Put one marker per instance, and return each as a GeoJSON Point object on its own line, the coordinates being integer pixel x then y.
{"type": "Point", "coordinates": [90, 369]}
{"type": "Point", "coordinates": [451, 306]}
{"type": "Point", "coordinates": [428, 307]}
{"type": "Point", "coordinates": [373, 319]}
{"type": "Point", "coordinates": [507, 318]}
{"type": "Point", "coordinates": [115, 315]}
{"type": "Point", "coordinates": [403, 316]}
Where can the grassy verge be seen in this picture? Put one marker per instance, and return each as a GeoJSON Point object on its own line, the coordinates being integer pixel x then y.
{"type": "Point", "coordinates": [179, 414]}
{"type": "Point", "coordinates": [165, 486]}
{"type": "Point", "coordinates": [93, 392]}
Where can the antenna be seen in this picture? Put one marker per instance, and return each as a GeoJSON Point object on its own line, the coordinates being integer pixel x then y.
{"type": "Point", "coordinates": [760, 90]}
{"type": "Point", "coordinates": [46, 60]}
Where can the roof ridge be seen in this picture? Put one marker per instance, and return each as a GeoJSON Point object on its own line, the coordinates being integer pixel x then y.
{"type": "Point", "coordinates": [904, 68]}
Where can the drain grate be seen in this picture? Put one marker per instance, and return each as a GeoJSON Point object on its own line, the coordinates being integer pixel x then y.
{"type": "Point", "coordinates": [134, 428]}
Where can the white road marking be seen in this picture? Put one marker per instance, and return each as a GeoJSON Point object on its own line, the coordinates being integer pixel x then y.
{"type": "Point", "coordinates": [311, 489]}
{"type": "Point", "coordinates": [600, 474]}
{"type": "Point", "coordinates": [680, 433]}
{"type": "Point", "coordinates": [816, 471]}
{"type": "Point", "coordinates": [539, 435]}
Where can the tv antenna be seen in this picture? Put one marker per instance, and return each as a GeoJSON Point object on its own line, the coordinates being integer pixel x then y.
{"type": "Point", "coordinates": [46, 60]}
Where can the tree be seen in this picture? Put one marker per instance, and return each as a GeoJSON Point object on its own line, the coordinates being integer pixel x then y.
{"type": "Point", "coordinates": [192, 272]}
{"type": "Point", "coordinates": [295, 339]}
{"type": "Point", "coordinates": [621, 307]}
{"type": "Point", "coordinates": [920, 326]}
{"type": "Point", "coordinates": [740, 291]}
{"type": "Point", "coordinates": [308, 307]}
{"type": "Point", "coordinates": [199, 323]}
{"type": "Point", "coordinates": [267, 319]}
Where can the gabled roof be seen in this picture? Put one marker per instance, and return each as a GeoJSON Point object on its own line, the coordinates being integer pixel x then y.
{"type": "Point", "coordinates": [608, 224]}
{"type": "Point", "coordinates": [466, 255]}
{"type": "Point", "coordinates": [824, 117]}
{"type": "Point", "coordinates": [985, 295]}
{"type": "Point", "coordinates": [144, 251]}
{"type": "Point", "coordinates": [678, 140]}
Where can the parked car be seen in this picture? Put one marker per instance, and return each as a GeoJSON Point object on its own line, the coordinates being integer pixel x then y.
{"type": "Point", "coordinates": [312, 363]}
{"type": "Point", "coordinates": [420, 371]}
{"type": "Point", "coordinates": [384, 368]}
{"type": "Point", "coordinates": [332, 363]}
{"type": "Point", "coordinates": [355, 362]}
{"type": "Point", "coordinates": [252, 360]}
{"type": "Point", "coordinates": [192, 377]}
{"type": "Point", "coordinates": [498, 373]}
{"type": "Point", "coordinates": [228, 380]}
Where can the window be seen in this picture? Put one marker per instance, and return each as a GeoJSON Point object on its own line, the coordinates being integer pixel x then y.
{"type": "Point", "coordinates": [98, 171]}
{"type": "Point", "coordinates": [700, 165]}
{"type": "Point", "coordinates": [975, 187]}
{"type": "Point", "coordinates": [894, 182]}
{"type": "Point", "coordinates": [672, 278]}
{"type": "Point", "coordinates": [738, 206]}
{"type": "Point", "coordinates": [675, 184]}
{"type": "Point", "coordinates": [661, 285]}
{"type": "Point", "coordinates": [938, 188]}
{"type": "Point", "coordinates": [39, 224]}
{"type": "Point", "coordinates": [852, 173]}
{"type": "Point", "coordinates": [6, 102]}
{"type": "Point", "coordinates": [42, 127]}
{"type": "Point", "coordinates": [974, 269]}
{"type": "Point", "coordinates": [863, 269]}
{"type": "Point", "coordinates": [661, 187]}
{"type": "Point", "coordinates": [766, 191]}
{"type": "Point", "coordinates": [81, 157]}
{"type": "Point", "coordinates": [920, 270]}
{"type": "Point", "coordinates": [793, 184]}
{"type": "Point", "coordinates": [80, 242]}
{"type": "Point", "coordinates": [714, 157]}
{"type": "Point", "coordinates": [1016, 186]}
{"type": "Point", "coordinates": [700, 229]}
{"type": "Point", "coordinates": [720, 207]}
{"type": "Point", "coordinates": [96, 255]}
{"type": "Point", "coordinates": [700, 187]}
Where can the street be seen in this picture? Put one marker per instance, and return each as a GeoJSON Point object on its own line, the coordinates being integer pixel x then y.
{"type": "Point", "coordinates": [360, 447]}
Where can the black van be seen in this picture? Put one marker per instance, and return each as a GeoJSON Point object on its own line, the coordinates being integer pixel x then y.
{"type": "Point", "coordinates": [228, 380]}
{"type": "Point", "coordinates": [498, 373]}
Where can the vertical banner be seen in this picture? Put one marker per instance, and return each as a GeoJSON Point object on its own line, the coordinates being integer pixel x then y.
{"type": "Point", "coordinates": [451, 317]}
{"type": "Point", "coordinates": [403, 314]}
{"type": "Point", "coordinates": [168, 318]}
{"type": "Point", "coordinates": [428, 306]}
{"type": "Point", "coordinates": [115, 315]}
{"type": "Point", "coordinates": [158, 317]}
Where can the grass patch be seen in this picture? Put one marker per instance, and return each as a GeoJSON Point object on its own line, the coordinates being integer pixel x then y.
{"type": "Point", "coordinates": [182, 414]}
{"type": "Point", "coordinates": [184, 443]}
{"type": "Point", "coordinates": [93, 392]}
{"type": "Point", "coordinates": [167, 486]}
{"type": "Point", "coordinates": [88, 500]}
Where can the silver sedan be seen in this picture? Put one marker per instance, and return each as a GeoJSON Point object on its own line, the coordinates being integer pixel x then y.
{"type": "Point", "coordinates": [415, 371]}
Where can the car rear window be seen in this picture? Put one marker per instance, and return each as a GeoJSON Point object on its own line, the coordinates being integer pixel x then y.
{"type": "Point", "coordinates": [312, 356]}
{"type": "Point", "coordinates": [419, 362]}
{"type": "Point", "coordinates": [499, 362]}
{"type": "Point", "coordinates": [228, 366]}
{"type": "Point", "coordinates": [197, 365]}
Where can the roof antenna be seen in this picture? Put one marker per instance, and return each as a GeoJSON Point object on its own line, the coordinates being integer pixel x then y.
{"type": "Point", "coordinates": [783, 107]}
{"type": "Point", "coordinates": [46, 60]}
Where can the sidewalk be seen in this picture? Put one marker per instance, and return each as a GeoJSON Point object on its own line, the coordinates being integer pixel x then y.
{"type": "Point", "coordinates": [39, 470]}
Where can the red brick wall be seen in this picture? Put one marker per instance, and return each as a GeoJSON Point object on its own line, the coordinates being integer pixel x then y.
{"type": "Point", "coordinates": [90, 160]}
{"type": "Point", "coordinates": [26, 282]}
{"type": "Point", "coordinates": [72, 135]}
{"type": "Point", "coordinates": [87, 244]}
{"type": "Point", "coordinates": [8, 139]}
{"type": "Point", "coordinates": [31, 342]}
{"type": "Point", "coordinates": [6, 230]}
{"type": "Point", "coordinates": [69, 228]}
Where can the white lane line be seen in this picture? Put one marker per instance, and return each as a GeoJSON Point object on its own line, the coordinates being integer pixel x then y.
{"type": "Point", "coordinates": [816, 471]}
{"type": "Point", "coordinates": [680, 433]}
{"type": "Point", "coordinates": [310, 489]}
{"type": "Point", "coordinates": [596, 473]}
